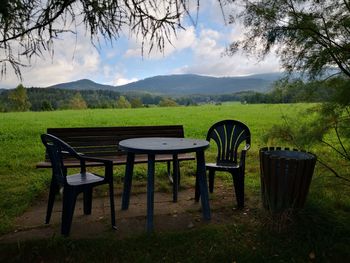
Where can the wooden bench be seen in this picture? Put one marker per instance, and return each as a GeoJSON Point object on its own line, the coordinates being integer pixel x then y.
{"type": "Point", "coordinates": [102, 142]}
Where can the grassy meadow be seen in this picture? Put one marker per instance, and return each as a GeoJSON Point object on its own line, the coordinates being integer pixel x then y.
{"type": "Point", "coordinates": [323, 229]}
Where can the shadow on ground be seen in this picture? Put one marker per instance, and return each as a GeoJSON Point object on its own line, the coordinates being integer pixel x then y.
{"type": "Point", "coordinates": [168, 216]}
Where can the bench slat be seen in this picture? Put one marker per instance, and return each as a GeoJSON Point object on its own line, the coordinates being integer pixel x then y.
{"type": "Point", "coordinates": [108, 136]}
{"type": "Point", "coordinates": [98, 149]}
{"type": "Point", "coordinates": [113, 131]}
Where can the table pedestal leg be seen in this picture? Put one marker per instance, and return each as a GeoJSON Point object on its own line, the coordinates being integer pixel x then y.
{"type": "Point", "coordinates": [175, 177]}
{"type": "Point", "coordinates": [203, 186]}
{"type": "Point", "coordinates": [128, 180]}
{"type": "Point", "coordinates": [150, 192]}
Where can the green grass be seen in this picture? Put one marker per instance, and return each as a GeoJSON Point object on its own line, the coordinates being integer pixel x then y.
{"type": "Point", "coordinates": [21, 147]}
{"type": "Point", "coordinates": [322, 229]}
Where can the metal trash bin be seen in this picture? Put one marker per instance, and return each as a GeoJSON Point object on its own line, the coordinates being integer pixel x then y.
{"type": "Point", "coordinates": [285, 178]}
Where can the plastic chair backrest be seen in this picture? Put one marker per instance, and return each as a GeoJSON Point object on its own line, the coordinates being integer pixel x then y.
{"type": "Point", "coordinates": [55, 150]}
{"type": "Point", "coordinates": [228, 135]}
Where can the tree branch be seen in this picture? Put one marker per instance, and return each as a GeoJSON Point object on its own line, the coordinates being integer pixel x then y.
{"type": "Point", "coordinates": [332, 170]}
{"type": "Point", "coordinates": [335, 149]}
{"type": "Point", "coordinates": [47, 22]}
{"type": "Point", "coordinates": [341, 143]}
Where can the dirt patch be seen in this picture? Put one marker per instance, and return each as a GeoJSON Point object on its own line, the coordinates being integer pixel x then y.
{"type": "Point", "coordinates": [168, 216]}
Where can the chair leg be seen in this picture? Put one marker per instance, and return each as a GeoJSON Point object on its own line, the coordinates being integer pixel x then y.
{"type": "Point", "coordinates": [176, 178]}
{"type": "Point", "coordinates": [197, 192]}
{"type": "Point", "coordinates": [69, 200]}
{"type": "Point", "coordinates": [178, 173]}
{"type": "Point", "coordinates": [54, 188]}
{"type": "Point", "coordinates": [128, 180]}
{"type": "Point", "coordinates": [211, 180]}
{"type": "Point", "coordinates": [87, 201]}
{"type": "Point", "coordinates": [111, 201]}
{"type": "Point", "coordinates": [238, 182]}
{"type": "Point", "coordinates": [170, 176]}
{"type": "Point", "coordinates": [150, 192]}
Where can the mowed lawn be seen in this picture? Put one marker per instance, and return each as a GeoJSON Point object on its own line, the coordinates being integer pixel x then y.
{"type": "Point", "coordinates": [21, 182]}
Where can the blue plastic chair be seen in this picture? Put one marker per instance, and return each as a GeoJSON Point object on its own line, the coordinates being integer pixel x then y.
{"type": "Point", "coordinates": [228, 136]}
{"type": "Point", "coordinates": [73, 185]}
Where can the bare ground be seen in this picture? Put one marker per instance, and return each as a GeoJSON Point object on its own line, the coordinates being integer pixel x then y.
{"type": "Point", "coordinates": [168, 216]}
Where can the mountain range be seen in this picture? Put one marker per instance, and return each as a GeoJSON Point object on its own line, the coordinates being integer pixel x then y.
{"type": "Point", "coordinates": [183, 84]}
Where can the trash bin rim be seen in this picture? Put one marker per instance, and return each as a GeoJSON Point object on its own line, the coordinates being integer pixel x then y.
{"type": "Point", "coordinates": [288, 154]}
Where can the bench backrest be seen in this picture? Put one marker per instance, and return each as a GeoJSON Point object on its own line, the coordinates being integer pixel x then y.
{"type": "Point", "coordinates": [103, 141]}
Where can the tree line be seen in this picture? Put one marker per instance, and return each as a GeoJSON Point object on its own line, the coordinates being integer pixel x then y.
{"type": "Point", "coordinates": [39, 99]}
{"type": "Point", "coordinates": [295, 91]}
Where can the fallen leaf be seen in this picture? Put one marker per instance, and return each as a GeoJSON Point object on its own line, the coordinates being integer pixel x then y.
{"type": "Point", "coordinates": [312, 255]}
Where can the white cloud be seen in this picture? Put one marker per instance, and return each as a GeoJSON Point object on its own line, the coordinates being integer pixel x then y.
{"type": "Point", "coordinates": [210, 33]}
{"type": "Point", "coordinates": [184, 39]}
{"type": "Point", "coordinates": [236, 33]}
{"type": "Point", "coordinates": [133, 51]}
{"type": "Point", "coordinates": [73, 59]}
{"type": "Point", "coordinates": [210, 59]}
{"type": "Point", "coordinates": [115, 75]}
{"type": "Point", "coordinates": [237, 65]}
{"type": "Point", "coordinates": [206, 46]}
{"type": "Point", "coordinates": [122, 81]}
{"type": "Point", "coordinates": [112, 53]}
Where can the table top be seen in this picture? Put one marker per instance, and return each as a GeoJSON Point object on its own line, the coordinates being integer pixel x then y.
{"type": "Point", "coordinates": [160, 145]}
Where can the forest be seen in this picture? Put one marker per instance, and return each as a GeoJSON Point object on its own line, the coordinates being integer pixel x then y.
{"type": "Point", "coordinates": [39, 99]}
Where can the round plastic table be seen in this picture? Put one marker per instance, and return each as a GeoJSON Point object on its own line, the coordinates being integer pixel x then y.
{"type": "Point", "coordinates": [158, 145]}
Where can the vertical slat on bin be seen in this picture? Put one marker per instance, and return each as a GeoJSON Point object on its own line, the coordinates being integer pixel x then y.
{"type": "Point", "coordinates": [279, 184]}
{"type": "Point", "coordinates": [293, 167]}
{"type": "Point", "coordinates": [273, 179]}
{"type": "Point", "coordinates": [265, 179]}
{"type": "Point", "coordinates": [282, 183]}
{"type": "Point", "coordinates": [308, 171]}
{"type": "Point", "coordinates": [262, 174]}
{"type": "Point", "coordinates": [300, 176]}
{"type": "Point", "coordinates": [290, 187]}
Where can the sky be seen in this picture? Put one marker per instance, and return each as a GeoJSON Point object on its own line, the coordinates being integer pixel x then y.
{"type": "Point", "coordinates": [199, 49]}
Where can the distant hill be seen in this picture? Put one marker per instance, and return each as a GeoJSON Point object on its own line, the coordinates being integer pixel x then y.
{"type": "Point", "coordinates": [183, 84]}
{"type": "Point", "coordinates": [83, 84]}
{"type": "Point", "coordinates": [196, 84]}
